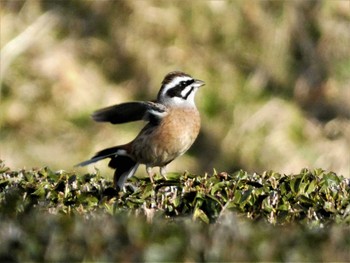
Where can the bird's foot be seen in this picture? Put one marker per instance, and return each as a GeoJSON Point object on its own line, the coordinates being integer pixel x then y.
{"type": "Point", "coordinates": [163, 172]}
{"type": "Point", "coordinates": [150, 173]}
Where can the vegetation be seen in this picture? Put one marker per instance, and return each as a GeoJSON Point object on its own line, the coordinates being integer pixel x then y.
{"type": "Point", "coordinates": [60, 216]}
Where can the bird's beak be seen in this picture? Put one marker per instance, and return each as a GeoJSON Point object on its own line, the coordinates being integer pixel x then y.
{"type": "Point", "coordinates": [199, 83]}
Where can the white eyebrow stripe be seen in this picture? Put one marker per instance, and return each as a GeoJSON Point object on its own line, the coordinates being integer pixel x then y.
{"type": "Point", "coordinates": [175, 82]}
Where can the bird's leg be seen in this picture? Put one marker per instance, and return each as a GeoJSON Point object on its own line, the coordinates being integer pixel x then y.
{"type": "Point", "coordinates": [150, 212]}
{"type": "Point", "coordinates": [162, 170]}
{"type": "Point", "coordinates": [150, 173]}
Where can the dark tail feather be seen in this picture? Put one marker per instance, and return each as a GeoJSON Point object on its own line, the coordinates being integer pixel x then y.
{"type": "Point", "coordinates": [109, 152]}
{"type": "Point", "coordinates": [125, 168]}
{"type": "Point", "coordinates": [124, 165]}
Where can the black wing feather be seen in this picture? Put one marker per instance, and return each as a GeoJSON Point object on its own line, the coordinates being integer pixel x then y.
{"type": "Point", "coordinates": [129, 111]}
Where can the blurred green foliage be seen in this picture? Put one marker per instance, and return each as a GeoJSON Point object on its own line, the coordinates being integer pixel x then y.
{"type": "Point", "coordinates": [277, 94]}
{"type": "Point", "coordinates": [61, 216]}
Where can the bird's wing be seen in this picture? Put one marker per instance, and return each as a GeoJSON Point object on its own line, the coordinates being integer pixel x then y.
{"type": "Point", "coordinates": [131, 111]}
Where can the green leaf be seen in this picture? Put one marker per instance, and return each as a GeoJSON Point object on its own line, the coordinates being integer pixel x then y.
{"type": "Point", "coordinates": [295, 185]}
{"type": "Point", "coordinates": [237, 197]}
{"type": "Point", "coordinates": [311, 186]}
{"type": "Point", "coordinates": [306, 200]}
{"type": "Point", "coordinates": [217, 187]}
{"type": "Point", "coordinates": [198, 213]}
{"type": "Point", "coordinates": [148, 191]}
{"type": "Point", "coordinates": [266, 206]}
{"type": "Point", "coordinates": [330, 179]}
{"type": "Point", "coordinates": [329, 207]}
{"type": "Point", "coordinates": [39, 192]}
{"type": "Point", "coordinates": [246, 195]}
{"type": "Point", "coordinates": [177, 201]}
{"type": "Point", "coordinates": [284, 207]}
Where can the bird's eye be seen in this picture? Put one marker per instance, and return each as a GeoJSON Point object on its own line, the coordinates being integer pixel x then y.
{"type": "Point", "coordinates": [185, 83]}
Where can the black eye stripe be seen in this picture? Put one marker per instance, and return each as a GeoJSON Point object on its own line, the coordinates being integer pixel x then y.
{"type": "Point", "coordinates": [176, 91]}
{"type": "Point", "coordinates": [188, 82]}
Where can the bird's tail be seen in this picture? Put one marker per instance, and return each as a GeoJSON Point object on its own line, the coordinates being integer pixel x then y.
{"type": "Point", "coordinates": [106, 153]}
{"type": "Point", "coordinates": [125, 166]}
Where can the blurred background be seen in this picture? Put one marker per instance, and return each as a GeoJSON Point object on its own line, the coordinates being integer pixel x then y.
{"type": "Point", "coordinates": [277, 75]}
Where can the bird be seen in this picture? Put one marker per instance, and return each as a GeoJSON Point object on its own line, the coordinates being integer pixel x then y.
{"type": "Point", "coordinates": [173, 124]}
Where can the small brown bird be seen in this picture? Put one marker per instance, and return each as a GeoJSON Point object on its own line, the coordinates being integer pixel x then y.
{"type": "Point", "coordinates": [173, 125]}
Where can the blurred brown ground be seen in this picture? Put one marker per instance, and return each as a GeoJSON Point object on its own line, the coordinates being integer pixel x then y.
{"type": "Point", "coordinates": [277, 72]}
